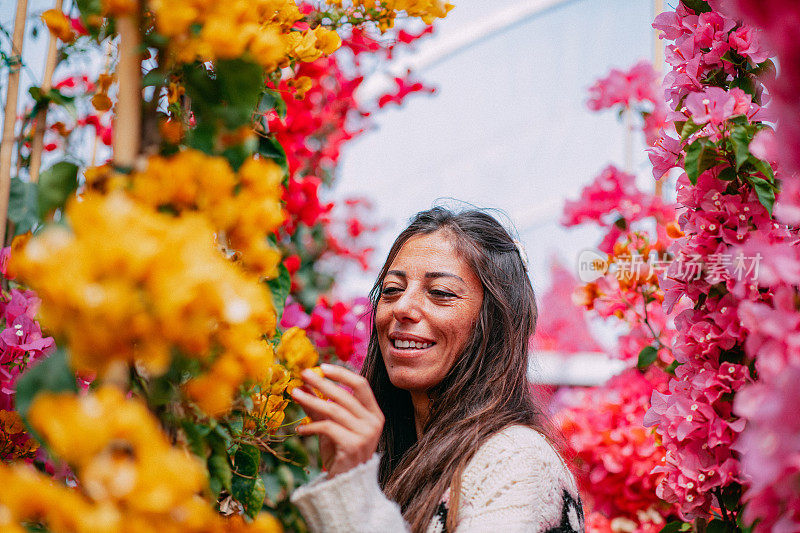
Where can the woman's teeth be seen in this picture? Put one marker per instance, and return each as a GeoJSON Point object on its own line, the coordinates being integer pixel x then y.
{"type": "Point", "coordinates": [411, 344]}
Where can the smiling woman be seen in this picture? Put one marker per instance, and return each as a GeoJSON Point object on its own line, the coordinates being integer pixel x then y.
{"type": "Point", "coordinates": [443, 399]}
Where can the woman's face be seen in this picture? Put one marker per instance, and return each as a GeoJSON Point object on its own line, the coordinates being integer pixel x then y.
{"type": "Point", "coordinates": [429, 304]}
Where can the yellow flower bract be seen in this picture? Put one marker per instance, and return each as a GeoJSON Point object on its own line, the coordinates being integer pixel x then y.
{"type": "Point", "coordinates": [244, 207]}
{"type": "Point", "coordinates": [59, 25]}
{"type": "Point", "coordinates": [132, 480]}
{"type": "Point", "coordinates": [129, 284]}
{"type": "Point", "coordinates": [296, 351]}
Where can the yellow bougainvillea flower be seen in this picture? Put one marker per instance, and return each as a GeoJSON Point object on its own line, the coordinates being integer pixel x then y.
{"type": "Point", "coordinates": [328, 41]}
{"type": "Point", "coordinates": [131, 478]}
{"type": "Point", "coordinates": [267, 413]}
{"type": "Point", "coordinates": [59, 25]}
{"type": "Point", "coordinates": [296, 351]}
{"type": "Point", "coordinates": [118, 450]}
{"type": "Point", "coordinates": [130, 284]}
{"type": "Point", "coordinates": [301, 85]}
{"type": "Point", "coordinates": [244, 207]}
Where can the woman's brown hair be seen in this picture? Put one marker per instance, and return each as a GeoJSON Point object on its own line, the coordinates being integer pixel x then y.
{"type": "Point", "coordinates": [485, 391]}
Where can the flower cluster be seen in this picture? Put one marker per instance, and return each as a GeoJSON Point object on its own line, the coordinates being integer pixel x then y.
{"type": "Point", "coordinates": [59, 25]}
{"type": "Point", "coordinates": [159, 278]}
{"type": "Point", "coordinates": [21, 345]}
{"type": "Point", "coordinates": [614, 455]}
{"type": "Point", "coordinates": [15, 443]}
{"type": "Point", "coordinates": [613, 201]}
{"type": "Point", "coordinates": [635, 90]}
{"type": "Point", "coordinates": [21, 342]}
{"type": "Point", "coordinates": [639, 84]}
{"type": "Point", "coordinates": [337, 329]}
{"type": "Point", "coordinates": [385, 11]}
{"type": "Point", "coordinates": [130, 476]}
{"type": "Point", "coordinates": [128, 284]}
{"type": "Point", "coordinates": [261, 29]}
{"type": "Point", "coordinates": [294, 353]}
{"type": "Point", "coordinates": [628, 289]}
{"type": "Point", "coordinates": [243, 207]}
{"type": "Point", "coordinates": [768, 447]}
{"type": "Point", "coordinates": [727, 194]}
{"type": "Point", "coordinates": [779, 21]}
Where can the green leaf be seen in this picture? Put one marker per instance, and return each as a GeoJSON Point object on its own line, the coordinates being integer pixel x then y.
{"type": "Point", "coordinates": [298, 452]}
{"type": "Point", "coordinates": [698, 6]}
{"type": "Point", "coordinates": [647, 357]}
{"type": "Point", "coordinates": [740, 140]}
{"type": "Point", "coordinates": [671, 368]}
{"type": "Point", "coordinates": [272, 99]}
{"type": "Point", "coordinates": [89, 7]}
{"type": "Point", "coordinates": [240, 85]}
{"type": "Point", "coordinates": [56, 185]}
{"type": "Point", "coordinates": [279, 287]}
{"type": "Point", "coordinates": [675, 526]}
{"type": "Point", "coordinates": [700, 156]}
{"type": "Point", "coordinates": [746, 84]}
{"type": "Point", "coordinates": [23, 205]}
{"type": "Point", "coordinates": [52, 96]}
{"type": "Point", "coordinates": [765, 192]}
{"type": "Point", "coordinates": [255, 501]}
{"type": "Point", "coordinates": [154, 78]}
{"type": "Point", "coordinates": [286, 477]}
{"type": "Point", "coordinates": [268, 146]}
{"type": "Point", "coordinates": [219, 472]}
{"type": "Point", "coordinates": [246, 463]}
{"type": "Point", "coordinates": [238, 154]}
{"type": "Point", "coordinates": [727, 174]}
{"type": "Point", "coordinates": [202, 137]}
{"type": "Point", "coordinates": [764, 68]}
{"type": "Point", "coordinates": [52, 374]}
{"type": "Point", "coordinates": [763, 167]}
{"type": "Point", "coordinates": [195, 437]}
{"type": "Point", "coordinates": [688, 128]}
{"type": "Point", "coordinates": [731, 495]}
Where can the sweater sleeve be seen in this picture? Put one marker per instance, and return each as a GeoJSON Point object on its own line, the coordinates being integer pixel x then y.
{"type": "Point", "coordinates": [517, 480]}
{"type": "Point", "coordinates": [351, 502]}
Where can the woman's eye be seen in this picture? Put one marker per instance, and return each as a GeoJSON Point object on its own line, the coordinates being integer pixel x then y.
{"type": "Point", "coordinates": [442, 294]}
{"type": "Point", "coordinates": [388, 291]}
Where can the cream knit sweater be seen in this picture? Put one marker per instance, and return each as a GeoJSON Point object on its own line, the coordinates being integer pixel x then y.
{"type": "Point", "coordinates": [515, 483]}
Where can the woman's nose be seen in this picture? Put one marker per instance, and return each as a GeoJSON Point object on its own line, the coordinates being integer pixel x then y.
{"type": "Point", "coordinates": [408, 306]}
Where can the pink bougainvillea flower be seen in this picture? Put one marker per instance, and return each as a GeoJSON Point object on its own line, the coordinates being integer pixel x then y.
{"type": "Point", "coordinates": [714, 105]}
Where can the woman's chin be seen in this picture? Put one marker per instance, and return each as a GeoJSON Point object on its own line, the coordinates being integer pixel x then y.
{"type": "Point", "coordinates": [410, 380]}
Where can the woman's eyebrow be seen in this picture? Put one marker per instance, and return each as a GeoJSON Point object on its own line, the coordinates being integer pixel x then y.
{"type": "Point", "coordinates": [443, 275]}
{"type": "Point", "coordinates": [399, 273]}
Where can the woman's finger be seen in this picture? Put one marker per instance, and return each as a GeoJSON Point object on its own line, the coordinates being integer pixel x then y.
{"type": "Point", "coordinates": [358, 384]}
{"type": "Point", "coordinates": [338, 435]}
{"type": "Point", "coordinates": [319, 409]}
{"type": "Point", "coordinates": [334, 392]}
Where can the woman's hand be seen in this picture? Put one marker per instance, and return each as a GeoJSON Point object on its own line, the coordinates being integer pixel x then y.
{"type": "Point", "coordinates": [348, 424]}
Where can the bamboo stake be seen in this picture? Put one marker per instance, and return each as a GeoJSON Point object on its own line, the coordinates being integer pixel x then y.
{"type": "Point", "coordinates": [37, 146]}
{"type": "Point", "coordinates": [10, 119]}
{"type": "Point", "coordinates": [128, 116]}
